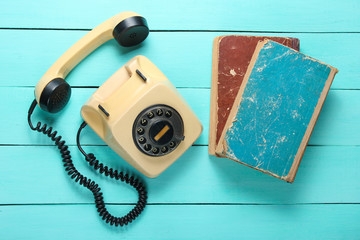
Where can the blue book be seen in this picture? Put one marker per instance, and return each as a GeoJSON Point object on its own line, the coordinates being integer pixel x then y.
{"type": "Point", "coordinates": [275, 110]}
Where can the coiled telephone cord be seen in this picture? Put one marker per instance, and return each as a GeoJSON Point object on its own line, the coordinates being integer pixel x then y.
{"type": "Point", "coordinates": [87, 182]}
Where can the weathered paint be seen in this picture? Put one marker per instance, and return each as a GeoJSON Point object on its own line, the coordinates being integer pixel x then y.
{"type": "Point", "coordinates": [277, 104]}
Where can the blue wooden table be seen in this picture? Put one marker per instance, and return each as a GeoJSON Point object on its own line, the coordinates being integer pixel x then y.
{"type": "Point", "coordinates": [199, 197]}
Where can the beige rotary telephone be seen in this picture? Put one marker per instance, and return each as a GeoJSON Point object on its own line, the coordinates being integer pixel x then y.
{"type": "Point", "coordinates": [137, 112]}
{"type": "Point", "coordinates": [142, 117]}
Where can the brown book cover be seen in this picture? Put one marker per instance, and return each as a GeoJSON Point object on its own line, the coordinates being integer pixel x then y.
{"type": "Point", "coordinates": [231, 58]}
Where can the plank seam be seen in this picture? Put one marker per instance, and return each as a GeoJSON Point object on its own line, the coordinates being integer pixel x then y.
{"type": "Point", "coordinates": [183, 204]}
{"type": "Point", "coordinates": [205, 88]}
{"type": "Point", "coordinates": [104, 145]}
{"type": "Point", "coordinates": [184, 30]}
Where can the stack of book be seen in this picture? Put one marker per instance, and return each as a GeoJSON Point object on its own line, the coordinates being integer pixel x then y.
{"type": "Point", "coordinates": [265, 99]}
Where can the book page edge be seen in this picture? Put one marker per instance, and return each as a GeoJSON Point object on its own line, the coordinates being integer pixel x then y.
{"type": "Point", "coordinates": [214, 96]}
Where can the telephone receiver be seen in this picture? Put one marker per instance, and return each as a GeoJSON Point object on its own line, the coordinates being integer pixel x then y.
{"type": "Point", "coordinates": [52, 92]}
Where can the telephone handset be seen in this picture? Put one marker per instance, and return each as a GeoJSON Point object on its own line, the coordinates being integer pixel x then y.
{"type": "Point", "coordinates": [52, 92]}
{"type": "Point", "coordinates": [137, 112]}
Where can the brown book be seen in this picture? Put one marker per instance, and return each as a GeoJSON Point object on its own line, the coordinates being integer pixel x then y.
{"type": "Point", "coordinates": [231, 58]}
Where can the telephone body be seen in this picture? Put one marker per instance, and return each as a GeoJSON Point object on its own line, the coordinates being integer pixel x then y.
{"type": "Point", "coordinates": [125, 113]}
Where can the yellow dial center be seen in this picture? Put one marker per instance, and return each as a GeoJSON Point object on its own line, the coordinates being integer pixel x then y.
{"type": "Point", "coordinates": [161, 133]}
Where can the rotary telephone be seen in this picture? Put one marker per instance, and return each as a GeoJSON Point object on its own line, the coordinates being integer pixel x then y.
{"type": "Point", "coordinates": [137, 112]}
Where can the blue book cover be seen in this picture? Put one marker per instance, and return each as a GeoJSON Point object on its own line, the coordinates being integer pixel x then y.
{"type": "Point", "coordinates": [275, 110]}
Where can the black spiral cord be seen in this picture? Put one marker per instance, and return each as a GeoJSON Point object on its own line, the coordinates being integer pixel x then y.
{"type": "Point", "coordinates": [87, 182]}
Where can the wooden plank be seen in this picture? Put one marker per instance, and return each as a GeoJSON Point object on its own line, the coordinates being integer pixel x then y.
{"type": "Point", "coordinates": [322, 15]}
{"type": "Point", "coordinates": [337, 123]}
{"type": "Point", "coordinates": [24, 64]}
{"type": "Point", "coordinates": [68, 121]}
{"type": "Point", "coordinates": [169, 222]}
{"type": "Point", "coordinates": [35, 175]}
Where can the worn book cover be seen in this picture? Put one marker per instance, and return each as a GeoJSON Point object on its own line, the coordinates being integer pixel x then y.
{"type": "Point", "coordinates": [275, 110]}
{"type": "Point", "coordinates": [231, 57]}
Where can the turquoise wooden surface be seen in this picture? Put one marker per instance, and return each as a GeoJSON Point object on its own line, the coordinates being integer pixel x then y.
{"type": "Point", "coordinates": [36, 55]}
{"type": "Point", "coordinates": [195, 178]}
{"type": "Point", "coordinates": [255, 15]}
{"type": "Point", "coordinates": [199, 197]}
{"type": "Point", "coordinates": [310, 221]}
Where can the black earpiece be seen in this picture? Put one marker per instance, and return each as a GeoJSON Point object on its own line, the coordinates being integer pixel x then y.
{"type": "Point", "coordinates": [55, 95]}
{"type": "Point", "coordinates": [131, 31]}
